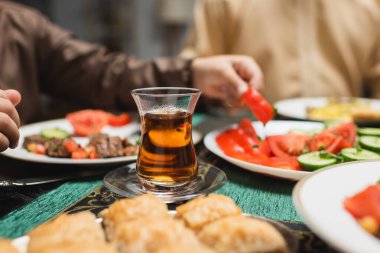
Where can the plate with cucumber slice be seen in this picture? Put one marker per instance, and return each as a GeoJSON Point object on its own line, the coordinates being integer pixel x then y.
{"type": "Point", "coordinates": [326, 145]}
{"type": "Point", "coordinates": [61, 129]}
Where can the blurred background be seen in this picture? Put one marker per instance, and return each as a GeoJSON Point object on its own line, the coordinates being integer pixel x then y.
{"type": "Point", "coordinates": [145, 28]}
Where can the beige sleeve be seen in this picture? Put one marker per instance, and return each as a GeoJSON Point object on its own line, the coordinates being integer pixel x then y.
{"type": "Point", "coordinates": [372, 76]}
{"type": "Point", "coordinates": [210, 33]}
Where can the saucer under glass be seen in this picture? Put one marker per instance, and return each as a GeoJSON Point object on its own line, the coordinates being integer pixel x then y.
{"type": "Point", "coordinates": [124, 181]}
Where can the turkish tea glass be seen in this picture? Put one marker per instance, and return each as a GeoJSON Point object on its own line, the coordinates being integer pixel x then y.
{"type": "Point", "coordinates": [167, 160]}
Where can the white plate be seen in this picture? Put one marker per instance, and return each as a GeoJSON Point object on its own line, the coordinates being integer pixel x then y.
{"type": "Point", "coordinates": [296, 108]}
{"type": "Point", "coordinates": [319, 198]}
{"type": "Point", "coordinates": [272, 128]}
{"type": "Point", "coordinates": [124, 131]}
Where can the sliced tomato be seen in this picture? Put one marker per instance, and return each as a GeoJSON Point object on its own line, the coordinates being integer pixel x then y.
{"type": "Point", "coordinates": [228, 145]}
{"type": "Point", "coordinates": [288, 145]}
{"type": "Point", "coordinates": [70, 145]}
{"type": "Point", "coordinates": [264, 148]}
{"type": "Point", "coordinates": [246, 125]}
{"type": "Point", "coordinates": [365, 203]}
{"type": "Point", "coordinates": [281, 163]}
{"type": "Point", "coordinates": [118, 120]}
{"type": "Point", "coordinates": [326, 141]}
{"type": "Point", "coordinates": [244, 140]}
{"type": "Point", "coordinates": [261, 108]}
{"type": "Point", "coordinates": [91, 152]}
{"type": "Point", "coordinates": [345, 130]}
{"type": "Point", "coordinates": [79, 153]}
{"type": "Point", "coordinates": [344, 144]}
{"type": "Point", "coordinates": [36, 148]}
{"type": "Point", "coordinates": [231, 147]}
{"type": "Point", "coordinates": [87, 122]}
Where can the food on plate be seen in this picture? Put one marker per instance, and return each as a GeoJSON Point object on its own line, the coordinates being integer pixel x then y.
{"type": "Point", "coordinates": [94, 247]}
{"type": "Point", "coordinates": [143, 225]}
{"type": "Point", "coordinates": [99, 146]}
{"type": "Point", "coordinates": [59, 143]}
{"type": "Point", "coordinates": [54, 133]}
{"type": "Point", "coordinates": [67, 231]}
{"type": "Point", "coordinates": [301, 150]}
{"type": "Point", "coordinates": [242, 234]}
{"type": "Point", "coordinates": [118, 120]}
{"type": "Point", "coordinates": [126, 210]}
{"type": "Point", "coordinates": [203, 210]}
{"type": "Point", "coordinates": [365, 114]}
{"type": "Point", "coordinates": [343, 109]}
{"type": "Point", "coordinates": [151, 234]}
{"type": "Point", "coordinates": [369, 131]}
{"type": "Point", "coordinates": [179, 247]}
{"type": "Point", "coordinates": [358, 154]}
{"type": "Point", "coordinates": [370, 143]}
{"type": "Point", "coordinates": [6, 246]}
{"type": "Point", "coordinates": [364, 206]}
{"type": "Point", "coordinates": [261, 108]}
{"type": "Point", "coordinates": [88, 122]}
{"type": "Point", "coordinates": [315, 160]}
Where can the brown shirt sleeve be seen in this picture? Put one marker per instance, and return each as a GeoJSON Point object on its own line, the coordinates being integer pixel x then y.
{"type": "Point", "coordinates": [89, 73]}
{"type": "Point", "coordinates": [38, 58]}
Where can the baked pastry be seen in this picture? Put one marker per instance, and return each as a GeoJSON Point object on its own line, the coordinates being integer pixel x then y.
{"type": "Point", "coordinates": [146, 235]}
{"type": "Point", "coordinates": [80, 228]}
{"type": "Point", "coordinates": [203, 210]}
{"type": "Point", "coordinates": [180, 248]}
{"type": "Point", "coordinates": [6, 246]}
{"type": "Point", "coordinates": [241, 234]}
{"type": "Point", "coordinates": [78, 248]}
{"type": "Point", "coordinates": [365, 114]}
{"type": "Point", "coordinates": [125, 210]}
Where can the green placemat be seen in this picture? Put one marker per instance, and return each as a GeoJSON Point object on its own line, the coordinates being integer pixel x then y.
{"type": "Point", "coordinates": [254, 193]}
{"type": "Point", "coordinates": [19, 222]}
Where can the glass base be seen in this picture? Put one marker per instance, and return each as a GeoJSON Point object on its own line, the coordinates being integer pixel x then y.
{"type": "Point", "coordinates": [125, 182]}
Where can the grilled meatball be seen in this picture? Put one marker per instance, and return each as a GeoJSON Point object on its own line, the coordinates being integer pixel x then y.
{"type": "Point", "coordinates": [55, 148]}
{"type": "Point", "coordinates": [36, 138]}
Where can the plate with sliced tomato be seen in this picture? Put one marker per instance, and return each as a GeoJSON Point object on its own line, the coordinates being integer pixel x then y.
{"type": "Point", "coordinates": [286, 149]}
{"type": "Point", "coordinates": [341, 205]}
{"type": "Point", "coordinates": [87, 137]}
{"type": "Point", "coordinates": [63, 126]}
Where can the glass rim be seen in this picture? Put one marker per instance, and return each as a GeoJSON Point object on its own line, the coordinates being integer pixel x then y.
{"type": "Point", "coordinates": [146, 91]}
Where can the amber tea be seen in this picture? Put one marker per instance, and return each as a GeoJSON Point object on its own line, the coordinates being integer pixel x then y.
{"type": "Point", "coordinates": [167, 155]}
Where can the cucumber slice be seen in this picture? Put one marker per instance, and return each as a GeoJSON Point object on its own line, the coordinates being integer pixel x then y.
{"type": "Point", "coordinates": [354, 154]}
{"type": "Point", "coordinates": [370, 142]}
{"type": "Point", "coordinates": [314, 160]}
{"type": "Point", "coordinates": [57, 133]}
{"type": "Point", "coordinates": [369, 131]}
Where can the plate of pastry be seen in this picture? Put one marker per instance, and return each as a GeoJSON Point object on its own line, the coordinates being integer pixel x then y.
{"type": "Point", "coordinates": [363, 111]}
{"type": "Point", "coordinates": [144, 224]}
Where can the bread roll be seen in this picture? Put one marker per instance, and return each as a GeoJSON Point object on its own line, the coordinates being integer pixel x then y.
{"type": "Point", "coordinates": [240, 234]}
{"type": "Point", "coordinates": [203, 210]}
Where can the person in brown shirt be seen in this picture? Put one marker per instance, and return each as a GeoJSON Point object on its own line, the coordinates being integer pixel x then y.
{"type": "Point", "coordinates": [39, 58]}
{"type": "Point", "coordinates": [305, 48]}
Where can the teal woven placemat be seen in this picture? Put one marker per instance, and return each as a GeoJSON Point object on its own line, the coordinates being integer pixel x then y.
{"type": "Point", "coordinates": [260, 195]}
{"type": "Point", "coordinates": [255, 194]}
{"type": "Point", "coordinates": [19, 222]}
